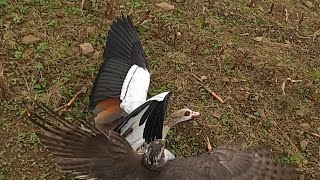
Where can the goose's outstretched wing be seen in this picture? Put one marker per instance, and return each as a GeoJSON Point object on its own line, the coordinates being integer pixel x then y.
{"type": "Point", "coordinates": [123, 78]}
{"type": "Point", "coordinates": [230, 162]}
{"type": "Point", "coordinates": [85, 151]}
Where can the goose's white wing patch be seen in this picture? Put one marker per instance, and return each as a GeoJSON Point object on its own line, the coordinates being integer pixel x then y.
{"type": "Point", "coordinates": [135, 88]}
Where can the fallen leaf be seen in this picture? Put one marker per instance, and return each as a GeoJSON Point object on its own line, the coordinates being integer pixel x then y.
{"type": "Point", "coordinates": [259, 39]}
{"type": "Point", "coordinates": [204, 77]}
{"type": "Point", "coordinates": [217, 114]}
{"type": "Point", "coordinates": [310, 4]}
{"type": "Point", "coordinates": [244, 34]}
{"type": "Point", "coordinates": [305, 125]}
{"type": "Point", "coordinates": [304, 144]}
{"type": "Point", "coordinates": [165, 6]}
{"type": "Point", "coordinates": [299, 113]}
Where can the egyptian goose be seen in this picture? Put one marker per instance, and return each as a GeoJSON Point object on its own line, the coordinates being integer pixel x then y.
{"type": "Point", "coordinates": [89, 153]}
{"type": "Point", "coordinates": [122, 84]}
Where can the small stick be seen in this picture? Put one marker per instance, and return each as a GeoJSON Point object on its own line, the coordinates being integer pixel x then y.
{"type": "Point", "coordinates": [160, 27]}
{"type": "Point", "coordinates": [251, 3]}
{"type": "Point", "coordinates": [145, 17]}
{"type": "Point", "coordinates": [208, 143]}
{"type": "Point", "coordinates": [314, 134]}
{"type": "Point", "coordinates": [222, 51]}
{"type": "Point", "coordinates": [244, 55]}
{"type": "Point", "coordinates": [110, 10]}
{"type": "Point", "coordinates": [284, 84]}
{"type": "Point", "coordinates": [208, 89]}
{"type": "Point", "coordinates": [82, 4]}
{"type": "Point", "coordinates": [72, 101]}
{"type": "Point", "coordinates": [271, 8]}
{"type": "Point", "coordinates": [301, 18]}
{"type": "Point", "coordinates": [315, 34]}
{"type": "Point", "coordinates": [2, 85]}
{"type": "Point", "coordinates": [286, 13]}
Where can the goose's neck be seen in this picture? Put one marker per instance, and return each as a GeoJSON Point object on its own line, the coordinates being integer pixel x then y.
{"type": "Point", "coordinates": [167, 125]}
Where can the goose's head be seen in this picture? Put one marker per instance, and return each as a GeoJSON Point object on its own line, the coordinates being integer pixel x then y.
{"type": "Point", "coordinates": [182, 115]}
{"type": "Point", "coordinates": [154, 155]}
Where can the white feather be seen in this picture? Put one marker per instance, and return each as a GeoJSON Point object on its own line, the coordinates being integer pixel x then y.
{"type": "Point", "coordinates": [159, 97]}
{"type": "Point", "coordinates": [135, 88]}
{"type": "Point", "coordinates": [135, 138]}
{"type": "Point", "coordinates": [168, 155]}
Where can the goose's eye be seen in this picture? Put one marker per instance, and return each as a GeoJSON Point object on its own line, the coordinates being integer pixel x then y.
{"type": "Point", "coordinates": [187, 113]}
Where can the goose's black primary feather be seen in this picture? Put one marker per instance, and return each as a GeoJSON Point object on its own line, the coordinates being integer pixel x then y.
{"type": "Point", "coordinates": [154, 117]}
{"type": "Point", "coordinates": [123, 50]}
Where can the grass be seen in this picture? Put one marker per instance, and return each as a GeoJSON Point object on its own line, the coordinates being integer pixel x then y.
{"type": "Point", "coordinates": [255, 110]}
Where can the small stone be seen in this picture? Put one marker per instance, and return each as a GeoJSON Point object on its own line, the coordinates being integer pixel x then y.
{"type": "Point", "coordinates": [217, 114]}
{"type": "Point", "coordinates": [31, 23]}
{"type": "Point", "coordinates": [97, 55]}
{"type": "Point", "coordinates": [305, 125]}
{"type": "Point", "coordinates": [304, 144]}
{"type": "Point", "coordinates": [30, 39]}
{"type": "Point", "coordinates": [299, 113]}
{"type": "Point", "coordinates": [225, 79]}
{"type": "Point", "coordinates": [309, 4]}
{"type": "Point", "coordinates": [204, 78]}
{"type": "Point", "coordinates": [234, 80]}
{"type": "Point", "coordinates": [86, 48]}
{"type": "Point", "coordinates": [258, 39]}
{"type": "Point", "coordinates": [90, 30]}
{"type": "Point", "coordinates": [261, 112]}
{"type": "Point", "coordinates": [165, 6]}
{"type": "Point", "coordinates": [8, 35]}
{"type": "Point", "coordinates": [179, 34]}
{"type": "Point", "coordinates": [11, 43]}
{"type": "Point", "coordinates": [27, 53]}
{"type": "Point", "coordinates": [194, 123]}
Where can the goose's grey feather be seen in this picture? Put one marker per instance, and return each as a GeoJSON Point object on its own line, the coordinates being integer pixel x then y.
{"type": "Point", "coordinates": [89, 154]}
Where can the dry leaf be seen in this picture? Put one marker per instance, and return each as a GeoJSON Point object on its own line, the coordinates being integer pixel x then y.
{"type": "Point", "coordinates": [284, 84]}
{"type": "Point", "coordinates": [217, 114]}
{"type": "Point", "coordinates": [244, 34]}
{"type": "Point", "coordinates": [304, 144]}
{"type": "Point", "coordinates": [305, 125]}
{"type": "Point", "coordinates": [203, 77]}
{"type": "Point", "coordinates": [165, 6]}
{"type": "Point", "coordinates": [259, 39]}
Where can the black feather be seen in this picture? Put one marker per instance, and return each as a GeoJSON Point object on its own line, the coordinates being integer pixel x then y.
{"type": "Point", "coordinates": [123, 50]}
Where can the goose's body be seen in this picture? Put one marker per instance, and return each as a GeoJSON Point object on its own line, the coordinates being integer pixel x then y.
{"type": "Point", "coordinates": [121, 87]}
{"type": "Point", "coordinates": [91, 154]}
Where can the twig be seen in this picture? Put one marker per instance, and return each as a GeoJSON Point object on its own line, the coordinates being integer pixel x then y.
{"type": "Point", "coordinates": [314, 134]}
{"type": "Point", "coordinates": [271, 8]}
{"type": "Point", "coordinates": [278, 44]}
{"type": "Point", "coordinates": [252, 3]}
{"type": "Point", "coordinates": [208, 143]}
{"type": "Point", "coordinates": [244, 55]}
{"type": "Point", "coordinates": [222, 51]}
{"type": "Point", "coordinates": [82, 4]}
{"type": "Point", "coordinates": [286, 14]}
{"type": "Point", "coordinates": [72, 101]}
{"type": "Point", "coordinates": [315, 34]}
{"type": "Point", "coordinates": [301, 18]}
{"type": "Point", "coordinates": [284, 84]}
{"type": "Point", "coordinates": [160, 28]}
{"type": "Point", "coordinates": [208, 89]}
{"type": "Point", "coordinates": [145, 17]}
{"type": "Point", "coordinates": [110, 10]}
{"type": "Point", "coordinates": [2, 85]}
